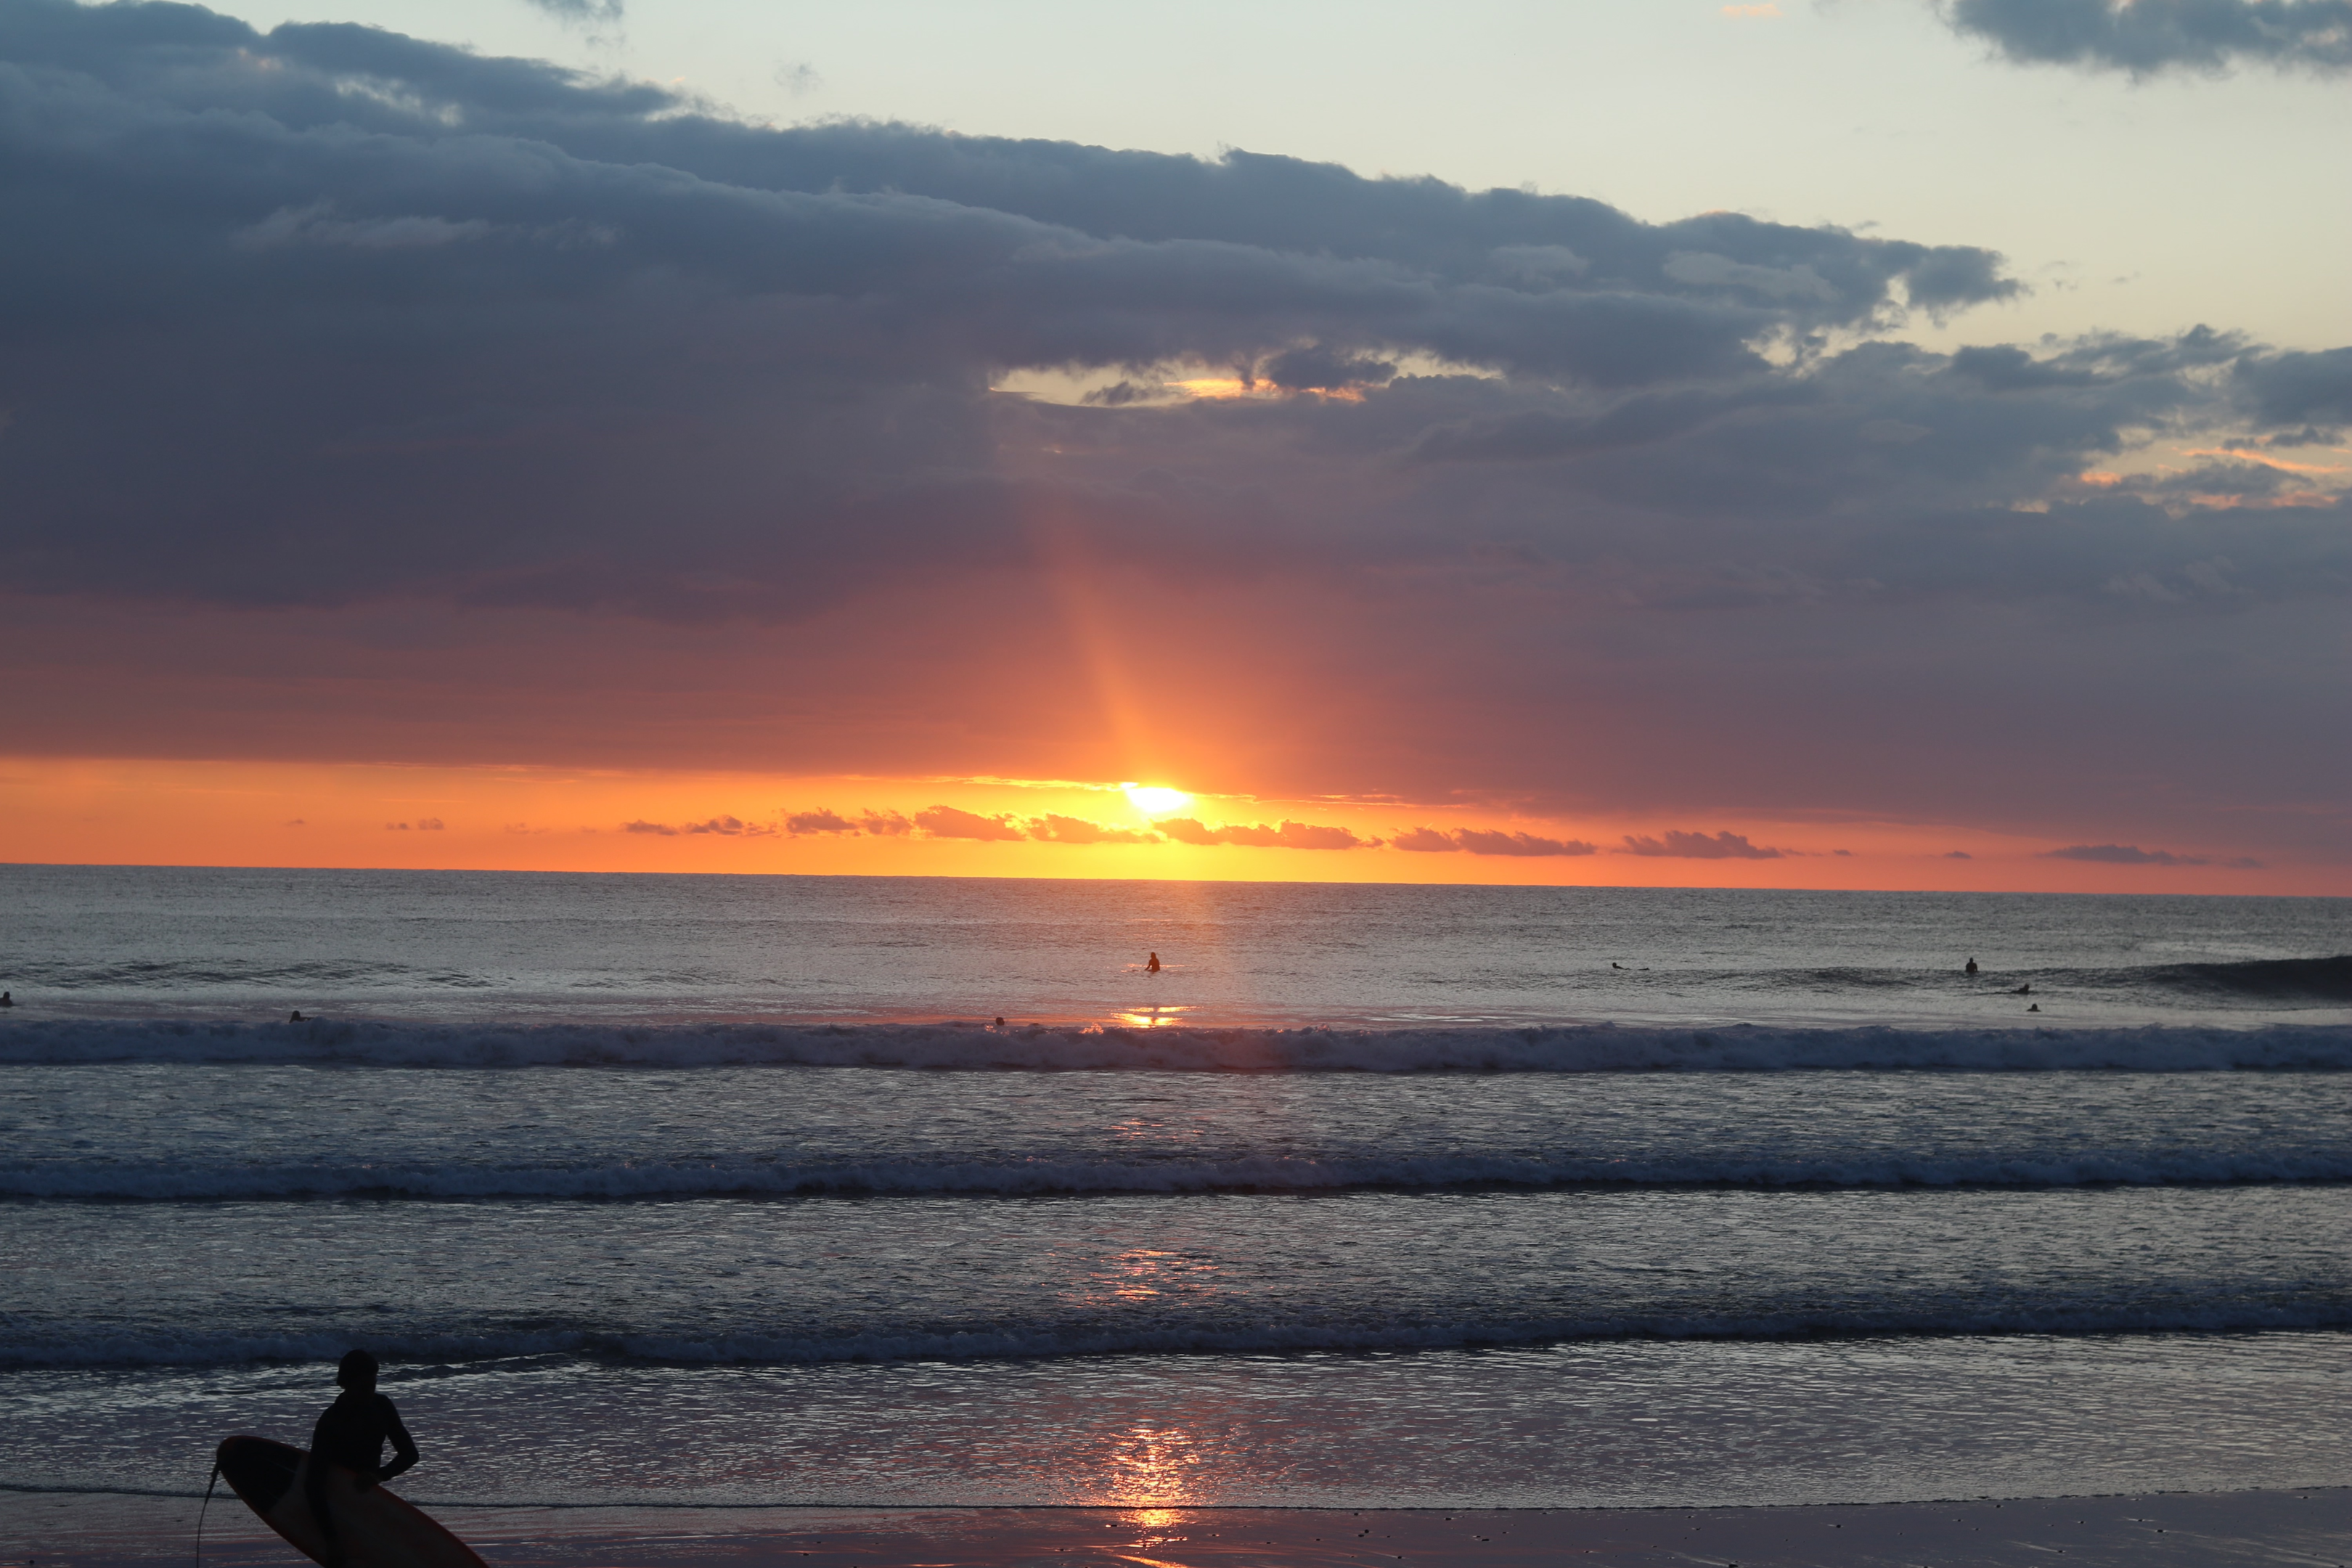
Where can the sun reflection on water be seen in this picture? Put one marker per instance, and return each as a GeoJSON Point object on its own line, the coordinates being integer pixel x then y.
{"type": "Point", "coordinates": [1152, 1018]}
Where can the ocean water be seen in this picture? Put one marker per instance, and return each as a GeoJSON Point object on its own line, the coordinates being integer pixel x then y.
{"type": "Point", "coordinates": [734, 1190]}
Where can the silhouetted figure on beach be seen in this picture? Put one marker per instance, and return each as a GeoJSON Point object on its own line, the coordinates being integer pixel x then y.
{"type": "Point", "coordinates": [1153, 967]}
{"type": "Point", "coordinates": [351, 1437]}
{"type": "Point", "coordinates": [1972, 969]}
{"type": "Point", "coordinates": [298, 1018]}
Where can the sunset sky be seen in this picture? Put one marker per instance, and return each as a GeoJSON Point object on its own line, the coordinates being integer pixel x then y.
{"type": "Point", "coordinates": [1864, 442]}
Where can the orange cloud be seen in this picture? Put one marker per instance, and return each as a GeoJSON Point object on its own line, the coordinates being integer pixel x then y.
{"type": "Point", "coordinates": [1699, 847]}
{"type": "Point", "coordinates": [951, 822]}
{"type": "Point", "coordinates": [117, 812]}
{"type": "Point", "coordinates": [1052, 829]}
{"type": "Point", "coordinates": [1487, 841]}
{"type": "Point", "coordinates": [1288, 834]}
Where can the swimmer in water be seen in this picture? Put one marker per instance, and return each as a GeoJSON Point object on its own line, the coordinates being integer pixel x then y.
{"type": "Point", "coordinates": [1153, 967]}
{"type": "Point", "coordinates": [1972, 969]}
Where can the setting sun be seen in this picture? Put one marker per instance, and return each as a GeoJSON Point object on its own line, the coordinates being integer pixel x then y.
{"type": "Point", "coordinates": [1153, 800]}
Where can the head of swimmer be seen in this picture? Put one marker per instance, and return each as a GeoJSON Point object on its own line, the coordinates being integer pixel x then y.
{"type": "Point", "coordinates": [356, 1372]}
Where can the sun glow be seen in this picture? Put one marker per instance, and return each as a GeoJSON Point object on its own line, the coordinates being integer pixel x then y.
{"type": "Point", "coordinates": [1156, 800]}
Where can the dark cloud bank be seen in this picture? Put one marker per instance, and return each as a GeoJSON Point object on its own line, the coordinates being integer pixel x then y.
{"type": "Point", "coordinates": [2146, 36]}
{"type": "Point", "coordinates": [324, 318]}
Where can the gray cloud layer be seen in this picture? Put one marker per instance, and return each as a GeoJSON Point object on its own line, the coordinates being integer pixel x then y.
{"type": "Point", "coordinates": [330, 319]}
{"type": "Point", "coordinates": [2146, 36]}
{"type": "Point", "coordinates": [376, 315]}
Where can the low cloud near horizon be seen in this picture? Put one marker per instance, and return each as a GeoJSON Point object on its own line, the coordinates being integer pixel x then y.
{"type": "Point", "coordinates": [1724, 845]}
{"type": "Point", "coordinates": [481, 411]}
{"type": "Point", "coordinates": [2133, 854]}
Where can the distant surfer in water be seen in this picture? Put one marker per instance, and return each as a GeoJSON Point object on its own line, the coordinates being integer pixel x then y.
{"type": "Point", "coordinates": [1153, 967]}
{"type": "Point", "coordinates": [6, 1000]}
{"type": "Point", "coordinates": [1972, 969]}
{"type": "Point", "coordinates": [351, 1437]}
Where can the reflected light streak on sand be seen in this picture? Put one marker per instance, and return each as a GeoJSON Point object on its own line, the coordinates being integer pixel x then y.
{"type": "Point", "coordinates": [1152, 1470]}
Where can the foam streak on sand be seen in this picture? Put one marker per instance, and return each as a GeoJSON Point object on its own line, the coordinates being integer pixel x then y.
{"type": "Point", "coordinates": [1577, 1048]}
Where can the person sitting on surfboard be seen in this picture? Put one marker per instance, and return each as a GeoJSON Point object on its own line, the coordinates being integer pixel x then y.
{"type": "Point", "coordinates": [1153, 967]}
{"type": "Point", "coordinates": [351, 1434]}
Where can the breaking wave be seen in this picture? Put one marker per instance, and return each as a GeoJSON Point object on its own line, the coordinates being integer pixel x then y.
{"type": "Point", "coordinates": [970, 1046]}
{"type": "Point", "coordinates": [1019, 1177]}
{"type": "Point", "coordinates": [2219, 1311]}
{"type": "Point", "coordinates": [2268, 979]}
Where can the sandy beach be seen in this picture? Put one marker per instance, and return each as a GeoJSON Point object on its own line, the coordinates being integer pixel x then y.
{"type": "Point", "coordinates": [2277, 1528]}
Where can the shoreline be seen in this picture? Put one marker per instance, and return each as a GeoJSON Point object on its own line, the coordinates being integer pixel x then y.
{"type": "Point", "coordinates": [2288, 1528]}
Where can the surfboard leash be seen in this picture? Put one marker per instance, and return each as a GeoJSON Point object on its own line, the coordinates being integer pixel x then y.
{"type": "Point", "coordinates": [201, 1511]}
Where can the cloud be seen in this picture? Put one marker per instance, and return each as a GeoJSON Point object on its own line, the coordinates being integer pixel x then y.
{"type": "Point", "coordinates": [2299, 388]}
{"type": "Point", "coordinates": [436, 283]}
{"type": "Point", "coordinates": [820, 820]}
{"type": "Point", "coordinates": [1055, 829]}
{"type": "Point", "coordinates": [422, 824]}
{"type": "Point", "coordinates": [730, 827]}
{"type": "Point", "coordinates": [1486, 841]}
{"type": "Point", "coordinates": [949, 822]}
{"type": "Point", "coordinates": [314, 225]}
{"type": "Point", "coordinates": [592, 408]}
{"type": "Point", "coordinates": [1726, 845]}
{"type": "Point", "coordinates": [1949, 855]}
{"type": "Point", "coordinates": [2123, 855]}
{"type": "Point", "coordinates": [1321, 368]}
{"type": "Point", "coordinates": [721, 827]}
{"type": "Point", "coordinates": [1288, 834]}
{"type": "Point", "coordinates": [581, 13]}
{"type": "Point", "coordinates": [2147, 36]}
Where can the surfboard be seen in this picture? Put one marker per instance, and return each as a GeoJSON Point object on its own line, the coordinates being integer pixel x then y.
{"type": "Point", "coordinates": [375, 1529]}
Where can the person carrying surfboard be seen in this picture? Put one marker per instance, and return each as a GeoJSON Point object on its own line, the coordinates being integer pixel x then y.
{"type": "Point", "coordinates": [351, 1435]}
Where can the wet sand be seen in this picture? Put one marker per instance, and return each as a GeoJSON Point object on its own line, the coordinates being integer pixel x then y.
{"type": "Point", "coordinates": [2288, 1529]}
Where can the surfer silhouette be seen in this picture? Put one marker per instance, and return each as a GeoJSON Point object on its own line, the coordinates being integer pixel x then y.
{"type": "Point", "coordinates": [1972, 969]}
{"type": "Point", "coordinates": [298, 1018]}
{"type": "Point", "coordinates": [6, 1000]}
{"type": "Point", "coordinates": [1153, 967]}
{"type": "Point", "coordinates": [351, 1437]}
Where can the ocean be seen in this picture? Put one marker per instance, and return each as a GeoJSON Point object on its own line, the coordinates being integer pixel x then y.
{"type": "Point", "coordinates": [735, 1189]}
